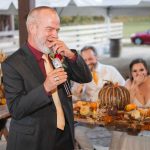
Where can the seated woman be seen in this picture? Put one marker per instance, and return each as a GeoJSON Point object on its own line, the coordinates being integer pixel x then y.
{"type": "Point", "coordinates": [139, 84]}
{"type": "Point", "coordinates": [139, 87]}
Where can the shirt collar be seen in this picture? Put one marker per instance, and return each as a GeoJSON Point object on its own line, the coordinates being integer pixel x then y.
{"type": "Point", "coordinates": [35, 52]}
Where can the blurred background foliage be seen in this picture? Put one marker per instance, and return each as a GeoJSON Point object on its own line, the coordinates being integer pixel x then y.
{"type": "Point", "coordinates": [80, 20]}
{"type": "Point", "coordinates": [131, 24]}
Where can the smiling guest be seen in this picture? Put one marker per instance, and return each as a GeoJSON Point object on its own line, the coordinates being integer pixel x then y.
{"type": "Point", "coordinates": [139, 87]}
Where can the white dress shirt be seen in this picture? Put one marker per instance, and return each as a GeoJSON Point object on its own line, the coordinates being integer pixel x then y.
{"type": "Point", "coordinates": [90, 90]}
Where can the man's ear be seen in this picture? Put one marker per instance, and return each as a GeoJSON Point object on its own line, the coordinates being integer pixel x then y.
{"type": "Point", "coordinates": [32, 28]}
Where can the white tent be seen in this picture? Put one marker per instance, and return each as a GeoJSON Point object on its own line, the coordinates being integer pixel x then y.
{"type": "Point", "coordinates": [99, 7]}
{"type": "Point", "coordinates": [87, 7]}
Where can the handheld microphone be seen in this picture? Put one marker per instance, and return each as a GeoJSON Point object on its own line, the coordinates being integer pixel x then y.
{"type": "Point", "coordinates": [57, 64]}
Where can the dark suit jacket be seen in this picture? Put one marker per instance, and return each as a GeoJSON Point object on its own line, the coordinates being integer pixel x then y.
{"type": "Point", "coordinates": [33, 124]}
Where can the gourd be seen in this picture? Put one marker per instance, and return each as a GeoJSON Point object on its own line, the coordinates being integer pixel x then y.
{"type": "Point", "coordinates": [114, 95]}
{"type": "Point", "coordinates": [2, 95]}
{"type": "Point", "coordinates": [2, 91]}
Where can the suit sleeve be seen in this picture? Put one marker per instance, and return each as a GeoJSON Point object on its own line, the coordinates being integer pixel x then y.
{"type": "Point", "coordinates": [78, 71]}
{"type": "Point", "coordinates": [20, 101]}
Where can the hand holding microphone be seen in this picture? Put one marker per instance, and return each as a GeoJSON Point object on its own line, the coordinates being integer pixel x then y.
{"type": "Point", "coordinates": [60, 50]}
{"type": "Point", "coordinates": [57, 64]}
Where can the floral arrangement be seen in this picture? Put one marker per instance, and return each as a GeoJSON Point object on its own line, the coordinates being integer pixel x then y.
{"type": "Point", "coordinates": [57, 56]}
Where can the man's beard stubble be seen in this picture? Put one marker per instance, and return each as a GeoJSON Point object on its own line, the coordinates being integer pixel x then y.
{"type": "Point", "coordinates": [41, 45]}
{"type": "Point", "coordinates": [92, 66]}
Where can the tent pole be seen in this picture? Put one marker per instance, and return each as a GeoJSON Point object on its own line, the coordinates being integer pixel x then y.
{"type": "Point", "coordinates": [108, 21]}
{"type": "Point", "coordinates": [24, 6]}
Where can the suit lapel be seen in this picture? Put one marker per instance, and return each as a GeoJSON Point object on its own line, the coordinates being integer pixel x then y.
{"type": "Point", "coordinates": [31, 62]}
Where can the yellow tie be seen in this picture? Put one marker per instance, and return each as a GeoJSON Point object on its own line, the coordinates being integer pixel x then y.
{"type": "Point", "coordinates": [95, 77]}
{"type": "Point", "coordinates": [60, 113]}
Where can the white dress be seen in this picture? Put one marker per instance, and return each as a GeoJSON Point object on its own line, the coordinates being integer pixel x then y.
{"type": "Point", "coordinates": [124, 141]}
{"type": "Point", "coordinates": [138, 104]}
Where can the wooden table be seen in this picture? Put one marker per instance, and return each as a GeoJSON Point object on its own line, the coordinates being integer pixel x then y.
{"type": "Point", "coordinates": [132, 127]}
{"type": "Point", "coordinates": [4, 114]}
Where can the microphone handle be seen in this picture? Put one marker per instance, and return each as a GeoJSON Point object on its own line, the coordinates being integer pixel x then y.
{"type": "Point", "coordinates": [67, 89]}
{"type": "Point", "coordinates": [57, 64]}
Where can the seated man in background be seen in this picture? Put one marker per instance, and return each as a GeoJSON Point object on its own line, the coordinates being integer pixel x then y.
{"type": "Point", "coordinates": [101, 74]}
{"type": "Point", "coordinates": [89, 91]}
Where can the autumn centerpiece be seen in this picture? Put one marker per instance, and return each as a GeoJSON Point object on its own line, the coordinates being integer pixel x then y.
{"type": "Point", "coordinates": [2, 95]}
{"type": "Point", "coordinates": [84, 109]}
{"type": "Point", "coordinates": [114, 95]}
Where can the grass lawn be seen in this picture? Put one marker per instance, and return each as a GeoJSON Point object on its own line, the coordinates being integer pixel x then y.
{"type": "Point", "coordinates": [135, 26]}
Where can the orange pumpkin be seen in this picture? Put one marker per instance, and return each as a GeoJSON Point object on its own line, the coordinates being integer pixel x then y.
{"type": "Point", "coordinates": [3, 101]}
{"type": "Point", "coordinates": [130, 107]}
{"type": "Point", "coordinates": [2, 95]}
{"type": "Point", "coordinates": [93, 105]}
{"type": "Point", "coordinates": [114, 95]}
